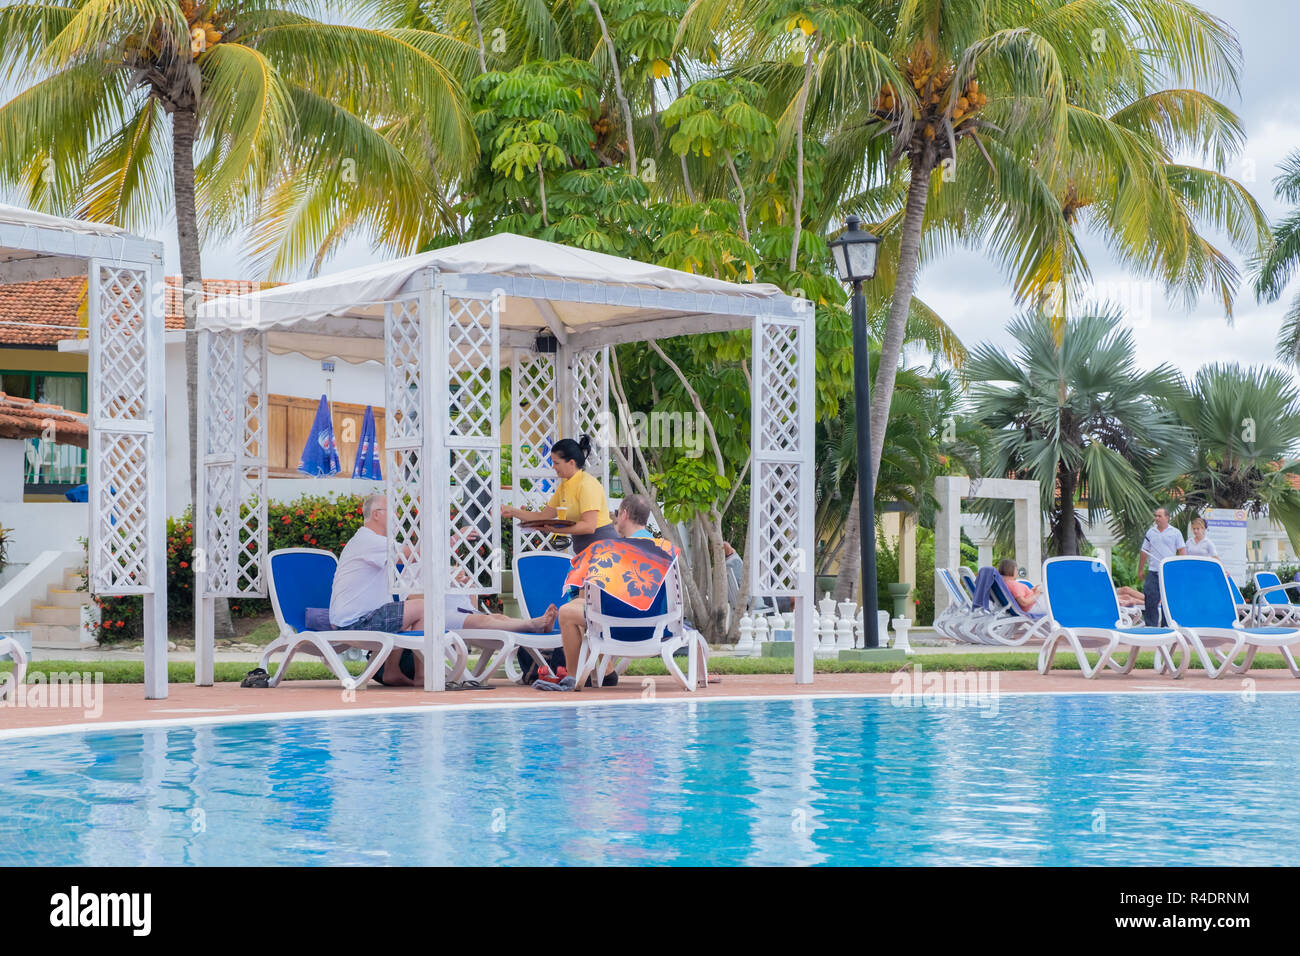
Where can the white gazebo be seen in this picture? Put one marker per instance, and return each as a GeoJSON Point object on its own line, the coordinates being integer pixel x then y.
{"type": "Point", "coordinates": [444, 324]}
{"type": "Point", "coordinates": [127, 453]}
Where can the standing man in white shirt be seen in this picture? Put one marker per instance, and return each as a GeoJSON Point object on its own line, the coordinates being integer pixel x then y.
{"type": "Point", "coordinates": [1162, 541]}
{"type": "Point", "coordinates": [362, 601]}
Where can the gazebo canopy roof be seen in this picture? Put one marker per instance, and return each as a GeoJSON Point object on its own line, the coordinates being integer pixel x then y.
{"type": "Point", "coordinates": [586, 299]}
{"type": "Point", "coordinates": [35, 246]}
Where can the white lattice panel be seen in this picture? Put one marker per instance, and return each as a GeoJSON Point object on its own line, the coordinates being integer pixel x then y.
{"type": "Point", "coordinates": [473, 443]}
{"type": "Point", "coordinates": [536, 426]}
{"type": "Point", "coordinates": [475, 542]}
{"type": "Point", "coordinates": [404, 489]}
{"type": "Point", "coordinates": [777, 382]}
{"type": "Point", "coordinates": [776, 491]}
{"type": "Point", "coordinates": [590, 382]}
{"type": "Point", "coordinates": [250, 556]}
{"type": "Point", "coordinates": [123, 533]}
{"type": "Point", "coordinates": [121, 384]}
{"type": "Point", "coordinates": [404, 441]}
{"type": "Point", "coordinates": [221, 439]}
{"type": "Point", "coordinates": [779, 506]}
{"type": "Point", "coordinates": [120, 514]}
{"type": "Point", "coordinates": [471, 370]}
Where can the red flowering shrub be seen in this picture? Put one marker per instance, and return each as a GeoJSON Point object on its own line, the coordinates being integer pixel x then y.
{"type": "Point", "coordinates": [311, 521]}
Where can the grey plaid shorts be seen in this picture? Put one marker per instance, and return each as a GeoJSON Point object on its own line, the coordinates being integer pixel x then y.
{"type": "Point", "coordinates": [386, 617]}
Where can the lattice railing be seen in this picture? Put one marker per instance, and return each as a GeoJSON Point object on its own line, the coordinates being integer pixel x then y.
{"type": "Point", "coordinates": [122, 536]}
{"type": "Point", "coordinates": [536, 428]}
{"type": "Point", "coordinates": [233, 482]}
{"type": "Point", "coordinates": [250, 559]}
{"type": "Point", "coordinates": [404, 442]}
{"type": "Point", "coordinates": [782, 355]}
{"type": "Point", "coordinates": [590, 383]}
{"type": "Point", "coordinates": [473, 442]}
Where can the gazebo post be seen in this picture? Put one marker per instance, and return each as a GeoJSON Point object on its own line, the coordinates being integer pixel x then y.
{"type": "Point", "coordinates": [781, 500]}
{"type": "Point", "coordinates": [204, 638]}
{"type": "Point", "coordinates": [127, 451]}
{"type": "Point", "coordinates": [433, 507]}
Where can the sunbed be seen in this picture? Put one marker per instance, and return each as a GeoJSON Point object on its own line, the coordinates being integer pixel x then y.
{"type": "Point", "coordinates": [1084, 613]}
{"type": "Point", "coordinates": [1198, 601]}
{"type": "Point", "coordinates": [301, 579]}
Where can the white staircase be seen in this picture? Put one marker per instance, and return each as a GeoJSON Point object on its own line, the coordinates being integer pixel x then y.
{"type": "Point", "coordinates": [58, 620]}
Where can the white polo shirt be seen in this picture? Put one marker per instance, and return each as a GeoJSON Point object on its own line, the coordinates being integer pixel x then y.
{"type": "Point", "coordinates": [361, 581]}
{"type": "Point", "coordinates": [1158, 545]}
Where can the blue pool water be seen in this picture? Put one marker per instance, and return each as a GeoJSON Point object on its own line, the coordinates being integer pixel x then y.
{"type": "Point", "coordinates": [1163, 779]}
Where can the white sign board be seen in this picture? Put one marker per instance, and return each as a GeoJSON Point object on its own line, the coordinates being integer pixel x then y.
{"type": "Point", "coordinates": [1226, 527]}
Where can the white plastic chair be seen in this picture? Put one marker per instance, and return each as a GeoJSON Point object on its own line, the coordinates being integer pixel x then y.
{"type": "Point", "coordinates": [616, 631]}
{"type": "Point", "coordinates": [10, 646]}
{"type": "Point", "coordinates": [303, 578]}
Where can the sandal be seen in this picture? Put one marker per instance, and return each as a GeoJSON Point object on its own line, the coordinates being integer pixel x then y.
{"type": "Point", "coordinates": [468, 683]}
{"type": "Point", "coordinates": [257, 677]}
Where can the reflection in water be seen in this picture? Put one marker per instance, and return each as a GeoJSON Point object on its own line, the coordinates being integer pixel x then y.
{"type": "Point", "coordinates": [1066, 780]}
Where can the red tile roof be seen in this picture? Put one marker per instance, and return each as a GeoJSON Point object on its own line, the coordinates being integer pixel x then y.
{"type": "Point", "coordinates": [24, 418]}
{"type": "Point", "coordinates": [42, 313]}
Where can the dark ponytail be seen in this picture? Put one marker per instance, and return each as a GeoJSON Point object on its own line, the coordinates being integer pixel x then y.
{"type": "Point", "coordinates": [575, 451]}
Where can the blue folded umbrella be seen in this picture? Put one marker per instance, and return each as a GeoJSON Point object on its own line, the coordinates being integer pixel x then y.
{"type": "Point", "coordinates": [320, 456]}
{"type": "Point", "coordinates": [367, 463]}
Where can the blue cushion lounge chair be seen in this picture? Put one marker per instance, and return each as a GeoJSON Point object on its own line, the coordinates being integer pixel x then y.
{"type": "Point", "coordinates": [10, 646]}
{"type": "Point", "coordinates": [617, 631]}
{"type": "Point", "coordinates": [1198, 602]}
{"type": "Point", "coordinates": [1276, 598]}
{"type": "Point", "coordinates": [998, 617]}
{"type": "Point", "coordinates": [1085, 613]}
{"type": "Point", "coordinates": [302, 578]}
{"type": "Point", "coordinates": [539, 582]}
{"type": "Point", "coordinates": [1247, 612]}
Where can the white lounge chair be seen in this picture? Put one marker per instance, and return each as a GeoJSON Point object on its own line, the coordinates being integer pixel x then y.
{"type": "Point", "coordinates": [10, 646]}
{"type": "Point", "coordinates": [1084, 612]}
{"type": "Point", "coordinates": [303, 578]}
{"type": "Point", "coordinates": [1283, 610]}
{"type": "Point", "coordinates": [1198, 602]}
{"type": "Point", "coordinates": [539, 582]}
{"type": "Point", "coordinates": [957, 618]}
{"type": "Point", "coordinates": [617, 631]}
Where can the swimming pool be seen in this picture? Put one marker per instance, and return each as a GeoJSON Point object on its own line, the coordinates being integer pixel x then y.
{"type": "Point", "coordinates": [1071, 779]}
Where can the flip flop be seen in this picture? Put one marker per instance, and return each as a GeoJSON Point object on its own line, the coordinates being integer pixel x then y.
{"type": "Point", "coordinates": [468, 684]}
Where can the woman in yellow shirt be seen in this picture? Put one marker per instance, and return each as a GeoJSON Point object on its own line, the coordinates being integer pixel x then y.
{"type": "Point", "coordinates": [579, 498]}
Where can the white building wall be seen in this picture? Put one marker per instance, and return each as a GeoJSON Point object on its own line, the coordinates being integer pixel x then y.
{"type": "Point", "coordinates": [298, 375]}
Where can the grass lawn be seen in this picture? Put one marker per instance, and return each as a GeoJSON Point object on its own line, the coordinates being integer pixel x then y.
{"type": "Point", "coordinates": [180, 672]}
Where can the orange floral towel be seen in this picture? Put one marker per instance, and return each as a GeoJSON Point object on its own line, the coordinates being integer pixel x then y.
{"type": "Point", "coordinates": [630, 569]}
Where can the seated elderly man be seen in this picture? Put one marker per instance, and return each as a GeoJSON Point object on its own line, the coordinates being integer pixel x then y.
{"type": "Point", "coordinates": [362, 601]}
{"type": "Point", "coordinates": [630, 522]}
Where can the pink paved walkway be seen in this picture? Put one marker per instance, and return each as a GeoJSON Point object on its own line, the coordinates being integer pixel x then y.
{"type": "Point", "coordinates": [124, 702]}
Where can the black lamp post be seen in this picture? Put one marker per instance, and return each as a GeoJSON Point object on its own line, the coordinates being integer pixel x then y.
{"type": "Point", "coordinates": [855, 252]}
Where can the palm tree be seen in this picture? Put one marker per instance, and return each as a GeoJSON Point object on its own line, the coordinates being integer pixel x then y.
{"type": "Point", "coordinates": [1076, 415]}
{"type": "Point", "coordinates": [1009, 131]}
{"type": "Point", "coordinates": [1245, 429]}
{"type": "Point", "coordinates": [1277, 265]}
{"type": "Point", "coordinates": [203, 107]}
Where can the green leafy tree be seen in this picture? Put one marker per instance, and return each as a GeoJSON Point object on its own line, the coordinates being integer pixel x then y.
{"type": "Point", "coordinates": [132, 109]}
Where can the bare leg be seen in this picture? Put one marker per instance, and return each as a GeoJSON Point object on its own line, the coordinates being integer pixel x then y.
{"type": "Point", "coordinates": [573, 624]}
{"type": "Point", "coordinates": [413, 614]}
{"type": "Point", "coordinates": [504, 622]}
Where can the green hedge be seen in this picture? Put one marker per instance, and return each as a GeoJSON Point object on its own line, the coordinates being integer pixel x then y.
{"type": "Point", "coordinates": [311, 521]}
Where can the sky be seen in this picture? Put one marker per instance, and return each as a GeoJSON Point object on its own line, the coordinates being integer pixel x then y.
{"type": "Point", "coordinates": [979, 305]}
